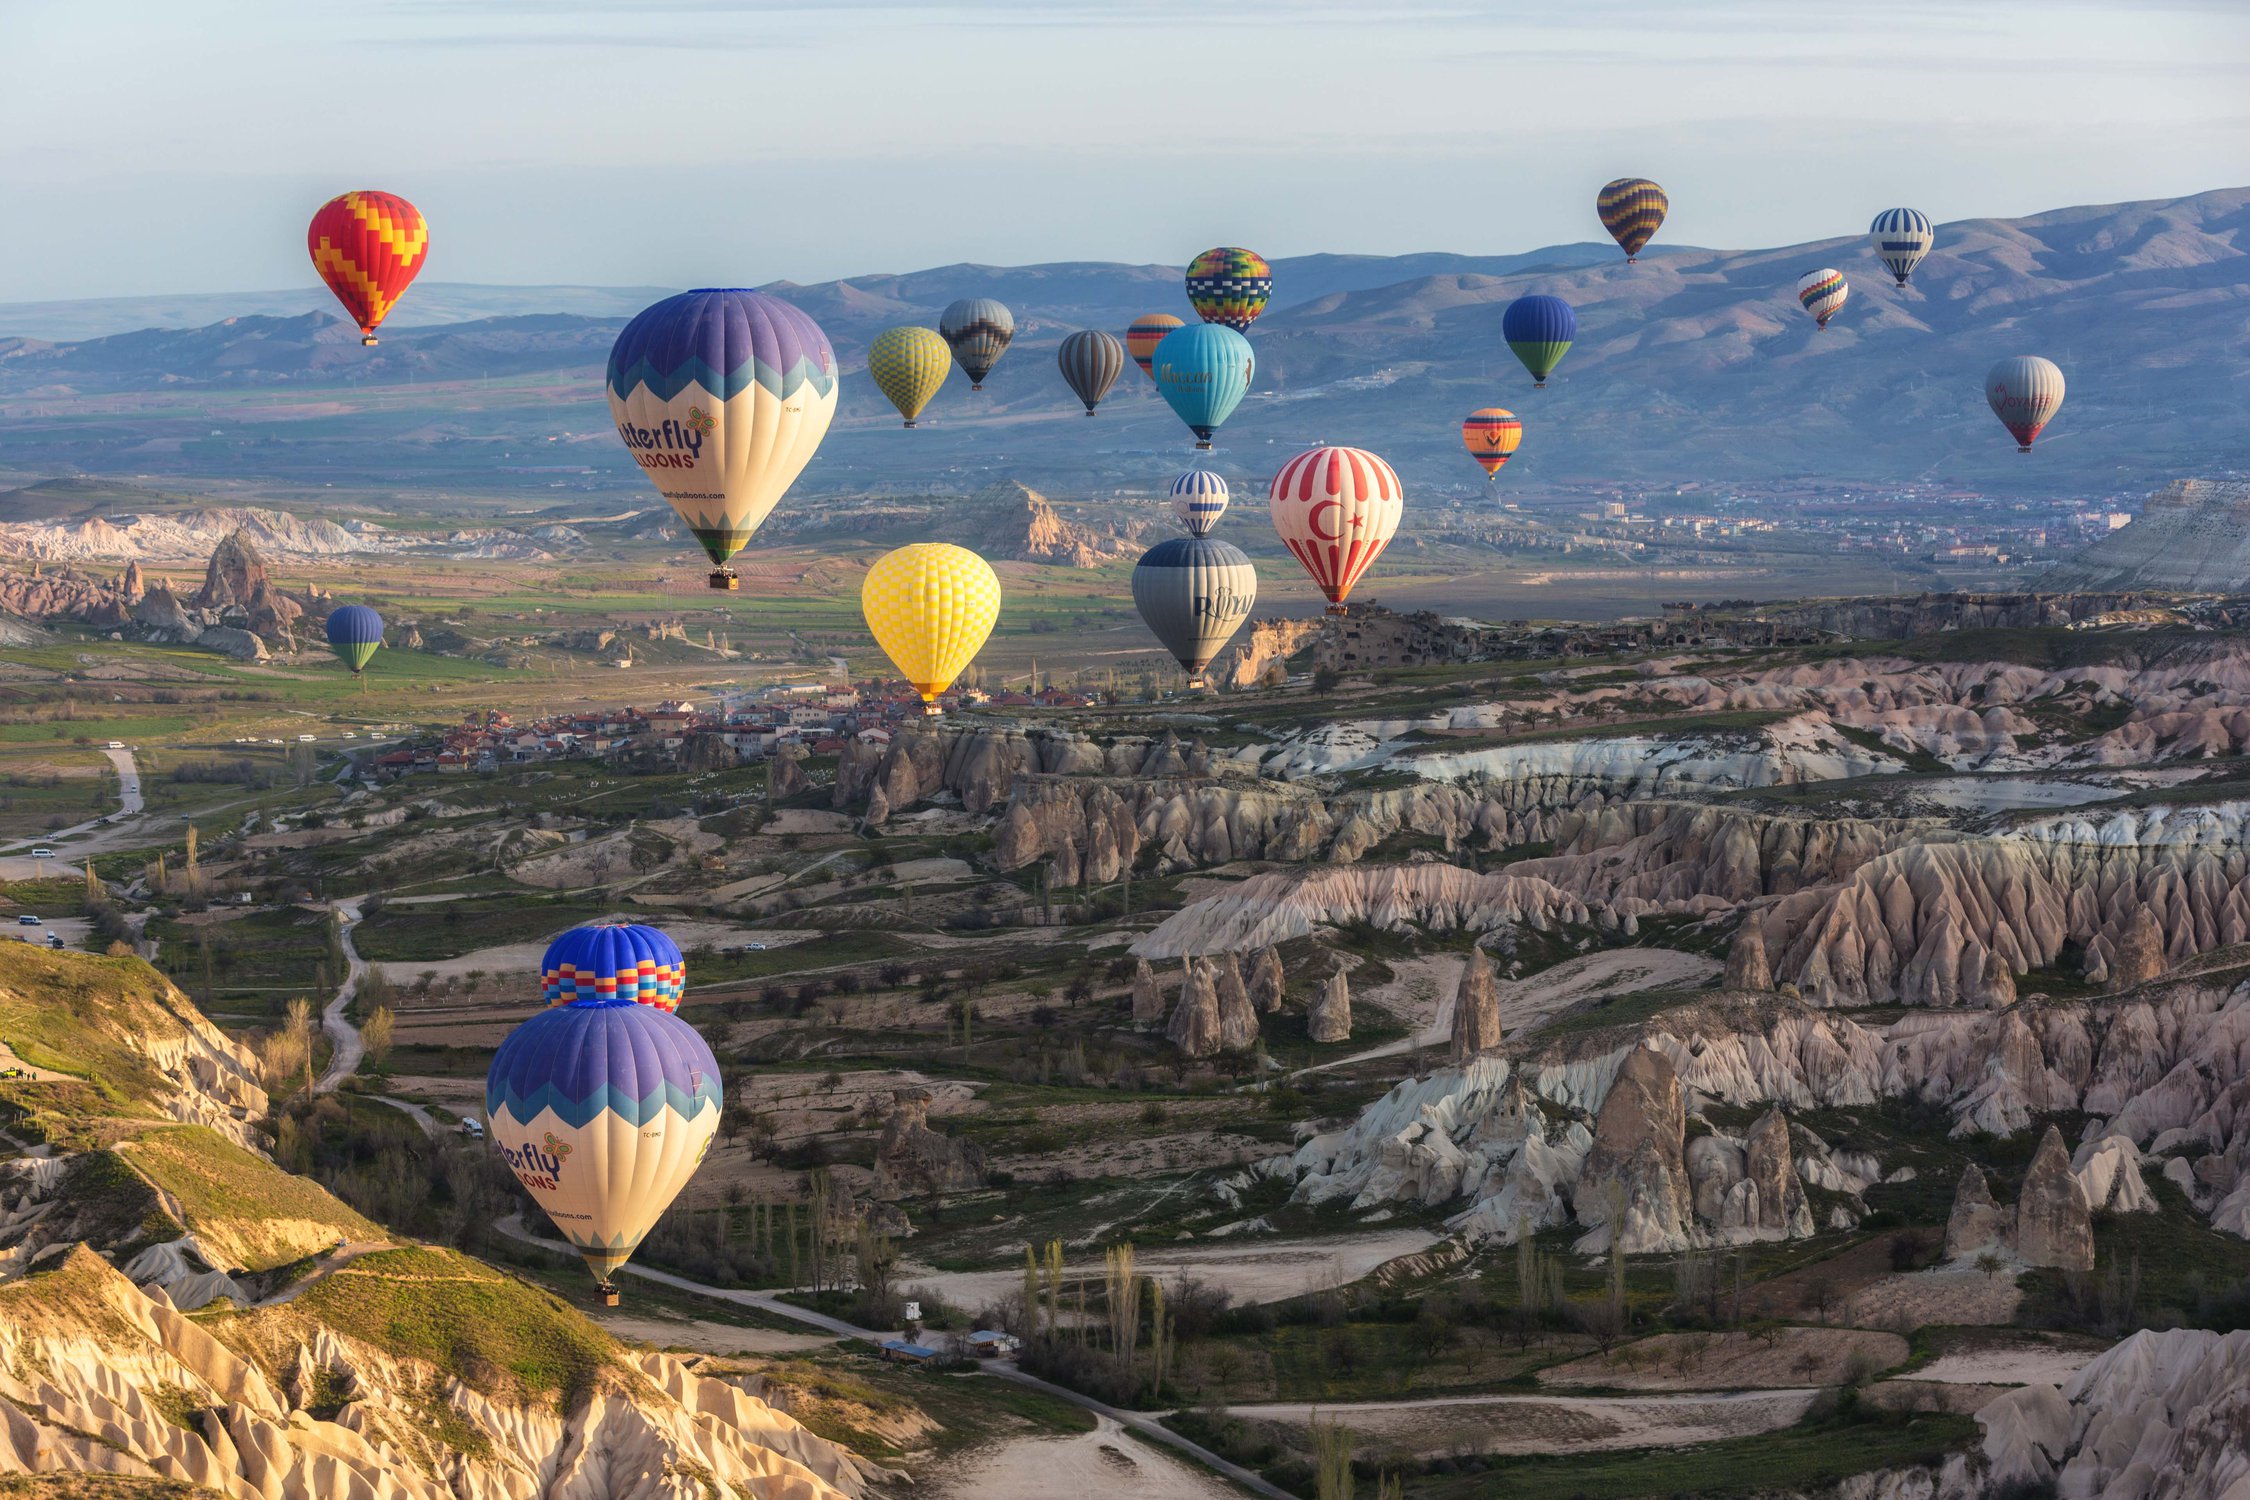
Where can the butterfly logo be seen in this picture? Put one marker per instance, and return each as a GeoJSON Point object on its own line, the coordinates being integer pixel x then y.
{"type": "Point", "coordinates": [557, 1149]}
{"type": "Point", "coordinates": [701, 420]}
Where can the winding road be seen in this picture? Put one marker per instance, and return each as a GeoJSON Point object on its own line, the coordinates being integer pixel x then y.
{"type": "Point", "coordinates": [95, 835]}
{"type": "Point", "coordinates": [767, 1302]}
{"type": "Point", "coordinates": [346, 1049]}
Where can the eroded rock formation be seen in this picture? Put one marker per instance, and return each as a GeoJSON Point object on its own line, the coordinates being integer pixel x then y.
{"type": "Point", "coordinates": [1329, 1018]}
{"type": "Point", "coordinates": [1238, 1021]}
{"type": "Point", "coordinates": [1476, 1008]}
{"type": "Point", "coordinates": [2054, 1225]}
{"type": "Point", "coordinates": [1269, 985]}
{"type": "Point", "coordinates": [1976, 1224]}
{"type": "Point", "coordinates": [1148, 998]}
{"type": "Point", "coordinates": [1194, 1027]}
{"type": "Point", "coordinates": [913, 1161]}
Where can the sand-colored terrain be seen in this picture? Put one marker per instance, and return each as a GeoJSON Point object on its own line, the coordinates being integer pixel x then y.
{"type": "Point", "coordinates": [1100, 1463]}
{"type": "Point", "coordinates": [1540, 1424]}
{"type": "Point", "coordinates": [1250, 1271]}
{"type": "Point", "coordinates": [1735, 1361]}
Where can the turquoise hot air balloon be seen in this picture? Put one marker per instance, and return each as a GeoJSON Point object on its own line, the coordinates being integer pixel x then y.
{"type": "Point", "coordinates": [603, 1108]}
{"type": "Point", "coordinates": [1203, 371]}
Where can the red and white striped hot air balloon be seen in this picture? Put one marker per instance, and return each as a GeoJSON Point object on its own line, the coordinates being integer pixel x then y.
{"type": "Point", "coordinates": [1336, 509]}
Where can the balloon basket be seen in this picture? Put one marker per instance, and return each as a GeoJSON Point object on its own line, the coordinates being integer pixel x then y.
{"type": "Point", "coordinates": [1539, 385]}
{"type": "Point", "coordinates": [976, 385]}
{"type": "Point", "coordinates": [367, 341]}
{"type": "Point", "coordinates": [910, 421]}
{"type": "Point", "coordinates": [725, 578]}
{"type": "Point", "coordinates": [608, 1294]}
{"type": "Point", "coordinates": [1203, 446]}
{"type": "Point", "coordinates": [2023, 447]}
{"type": "Point", "coordinates": [1336, 609]}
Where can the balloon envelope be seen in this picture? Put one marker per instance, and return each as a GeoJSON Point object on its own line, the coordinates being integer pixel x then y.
{"type": "Point", "coordinates": [604, 1109]}
{"type": "Point", "coordinates": [1632, 209]}
{"type": "Point", "coordinates": [354, 633]}
{"type": "Point", "coordinates": [2025, 393]}
{"type": "Point", "coordinates": [368, 247]}
{"type": "Point", "coordinates": [1203, 371]}
{"type": "Point", "coordinates": [979, 331]}
{"type": "Point", "coordinates": [1146, 332]}
{"type": "Point", "coordinates": [1229, 285]}
{"type": "Point", "coordinates": [1336, 509]}
{"type": "Point", "coordinates": [908, 365]}
{"type": "Point", "coordinates": [613, 961]}
{"type": "Point", "coordinates": [722, 396]}
{"type": "Point", "coordinates": [1492, 434]}
{"type": "Point", "coordinates": [1901, 236]}
{"type": "Point", "coordinates": [1539, 329]}
{"type": "Point", "coordinates": [1823, 293]}
{"type": "Point", "coordinates": [1194, 592]}
{"type": "Point", "coordinates": [930, 606]}
{"type": "Point", "coordinates": [1199, 498]}
{"type": "Point", "coordinates": [1090, 361]}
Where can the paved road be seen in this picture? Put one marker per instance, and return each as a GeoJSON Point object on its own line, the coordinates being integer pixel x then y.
{"type": "Point", "coordinates": [1145, 1425]}
{"type": "Point", "coordinates": [94, 836]}
{"type": "Point", "coordinates": [346, 1049]}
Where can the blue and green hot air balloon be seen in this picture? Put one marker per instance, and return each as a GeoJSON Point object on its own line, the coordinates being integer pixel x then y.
{"type": "Point", "coordinates": [354, 633]}
{"type": "Point", "coordinates": [1203, 371]}
{"type": "Point", "coordinates": [604, 1110]}
{"type": "Point", "coordinates": [614, 961]}
{"type": "Point", "coordinates": [1539, 329]}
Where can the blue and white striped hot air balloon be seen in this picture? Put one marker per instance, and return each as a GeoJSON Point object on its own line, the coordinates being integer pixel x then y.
{"type": "Point", "coordinates": [604, 1110]}
{"type": "Point", "coordinates": [1199, 498]}
{"type": "Point", "coordinates": [1901, 237]}
{"type": "Point", "coordinates": [613, 961]}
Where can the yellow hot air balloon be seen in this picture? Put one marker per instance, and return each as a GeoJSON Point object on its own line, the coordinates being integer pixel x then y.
{"type": "Point", "coordinates": [908, 365]}
{"type": "Point", "coordinates": [930, 605]}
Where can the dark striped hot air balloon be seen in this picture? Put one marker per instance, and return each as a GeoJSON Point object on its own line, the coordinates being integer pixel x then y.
{"type": "Point", "coordinates": [1090, 361]}
{"type": "Point", "coordinates": [979, 330]}
{"type": "Point", "coordinates": [1632, 209]}
{"type": "Point", "coordinates": [613, 961]}
{"type": "Point", "coordinates": [1901, 237]}
{"type": "Point", "coordinates": [1540, 330]}
{"type": "Point", "coordinates": [1146, 332]}
{"type": "Point", "coordinates": [1194, 592]}
{"type": "Point", "coordinates": [368, 247]}
{"type": "Point", "coordinates": [354, 634]}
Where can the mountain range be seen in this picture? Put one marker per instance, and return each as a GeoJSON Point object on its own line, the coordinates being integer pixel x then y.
{"type": "Point", "coordinates": [1693, 368]}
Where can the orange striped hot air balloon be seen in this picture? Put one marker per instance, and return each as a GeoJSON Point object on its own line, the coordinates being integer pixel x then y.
{"type": "Point", "coordinates": [1491, 434]}
{"type": "Point", "coordinates": [368, 246]}
{"type": "Point", "coordinates": [1145, 334]}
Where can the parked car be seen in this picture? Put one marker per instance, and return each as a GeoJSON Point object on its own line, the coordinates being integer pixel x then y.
{"type": "Point", "coordinates": [54, 940]}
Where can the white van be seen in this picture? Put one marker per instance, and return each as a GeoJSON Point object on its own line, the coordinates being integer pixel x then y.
{"type": "Point", "coordinates": [116, 744]}
{"type": "Point", "coordinates": [473, 1129]}
{"type": "Point", "coordinates": [42, 854]}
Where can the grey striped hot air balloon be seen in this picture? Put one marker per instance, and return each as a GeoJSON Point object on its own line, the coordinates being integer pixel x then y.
{"type": "Point", "coordinates": [978, 331]}
{"type": "Point", "coordinates": [1194, 592]}
{"type": "Point", "coordinates": [1090, 361]}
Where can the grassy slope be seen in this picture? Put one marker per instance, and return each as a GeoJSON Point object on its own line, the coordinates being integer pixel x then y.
{"type": "Point", "coordinates": [235, 1200]}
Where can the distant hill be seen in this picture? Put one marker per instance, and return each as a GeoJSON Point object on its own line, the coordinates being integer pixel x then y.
{"type": "Point", "coordinates": [1694, 369]}
{"type": "Point", "coordinates": [2193, 536]}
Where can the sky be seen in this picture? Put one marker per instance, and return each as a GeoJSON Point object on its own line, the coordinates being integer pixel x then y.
{"type": "Point", "coordinates": [158, 147]}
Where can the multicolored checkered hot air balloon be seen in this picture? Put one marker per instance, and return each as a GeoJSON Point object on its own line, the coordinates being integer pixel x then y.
{"type": "Point", "coordinates": [930, 606]}
{"type": "Point", "coordinates": [1336, 509]}
{"type": "Point", "coordinates": [722, 397]}
{"type": "Point", "coordinates": [355, 633]}
{"type": "Point", "coordinates": [1229, 285]}
{"type": "Point", "coordinates": [1491, 434]}
{"type": "Point", "coordinates": [2025, 392]}
{"type": "Point", "coordinates": [604, 1110]}
{"type": "Point", "coordinates": [1632, 210]}
{"type": "Point", "coordinates": [1823, 293]}
{"type": "Point", "coordinates": [614, 961]}
{"type": "Point", "coordinates": [368, 247]}
{"type": "Point", "coordinates": [1540, 330]}
{"type": "Point", "coordinates": [1146, 332]}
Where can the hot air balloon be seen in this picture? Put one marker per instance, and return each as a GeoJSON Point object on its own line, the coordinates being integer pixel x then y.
{"type": "Point", "coordinates": [354, 633]}
{"type": "Point", "coordinates": [979, 330]}
{"type": "Point", "coordinates": [368, 247]}
{"type": "Point", "coordinates": [1823, 293]}
{"type": "Point", "coordinates": [1632, 208]}
{"type": "Point", "coordinates": [1202, 371]}
{"type": "Point", "coordinates": [1901, 237]}
{"type": "Point", "coordinates": [1147, 332]}
{"type": "Point", "coordinates": [722, 396]}
{"type": "Point", "coordinates": [1199, 498]}
{"type": "Point", "coordinates": [1194, 592]}
{"type": "Point", "coordinates": [1336, 509]}
{"type": "Point", "coordinates": [613, 961]}
{"type": "Point", "coordinates": [1091, 361]}
{"type": "Point", "coordinates": [1492, 434]}
{"type": "Point", "coordinates": [2025, 393]}
{"type": "Point", "coordinates": [1229, 285]}
{"type": "Point", "coordinates": [604, 1109]}
{"type": "Point", "coordinates": [1539, 329]}
{"type": "Point", "coordinates": [930, 605]}
{"type": "Point", "coordinates": [908, 365]}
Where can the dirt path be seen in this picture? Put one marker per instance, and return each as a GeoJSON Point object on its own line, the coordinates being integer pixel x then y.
{"type": "Point", "coordinates": [1099, 1463]}
{"type": "Point", "coordinates": [1548, 1424]}
{"type": "Point", "coordinates": [343, 1037]}
{"type": "Point", "coordinates": [1250, 1270]}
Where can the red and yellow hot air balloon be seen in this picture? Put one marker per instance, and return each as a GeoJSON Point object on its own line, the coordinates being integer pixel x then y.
{"type": "Point", "coordinates": [1146, 332]}
{"type": "Point", "coordinates": [1336, 509]}
{"type": "Point", "coordinates": [368, 247]}
{"type": "Point", "coordinates": [1492, 434]}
